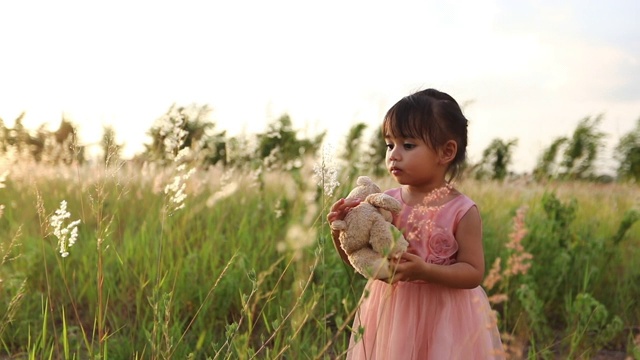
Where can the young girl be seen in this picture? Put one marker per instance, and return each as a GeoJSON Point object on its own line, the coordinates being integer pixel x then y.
{"type": "Point", "coordinates": [433, 307]}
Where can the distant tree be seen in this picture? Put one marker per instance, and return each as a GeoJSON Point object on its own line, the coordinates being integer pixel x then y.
{"type": "Point", "coordinates": [353, 142]}
{"type": "Point", "coordinates": [208, 144]}
{"type": "Point", "coordinates": [352, 151]}
{"type": "Point", "coordinates": [212, 148]}
{"type": "Point", "coordinates": [67, 150]}
{"type": "Point", "coordinates": [627, 152]}
{"type": "Point", "coordinates": [279, 146]}
{"type": "Point", "coordinates": [375, 155]}
{"type": "Point", "coordinates": [38, 143]}
{"type": "Point", "coordinates": [60, 146]}
{"type": "Point", "coordinates": [198, 125]}
{"type": "Point", "coordinates": [496, 159]}
{"type": "Point", "coordinates": [192, 127]}
{"type": "Point", "coordinates": [66, 132]}
{"type": "Point", "coordinates": [239, 152]}
{"type": "Point", "coordinates": [547, 167]}
{"type": "Point", "coordinates": [18, 135]}
{"type": "Point", "coordinates": [579, 153]}
{"type": "Point", "coordinates": [582, 150]}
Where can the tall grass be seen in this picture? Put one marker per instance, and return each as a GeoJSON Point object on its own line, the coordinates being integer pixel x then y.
{"type": "Point", "coordinates": [247, 268]}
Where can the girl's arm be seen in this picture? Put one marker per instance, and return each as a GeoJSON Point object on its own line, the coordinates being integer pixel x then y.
{"type": "Point", "coordinates": [336, 243]}
{"type": "Point", "coordinates": [466, 273]}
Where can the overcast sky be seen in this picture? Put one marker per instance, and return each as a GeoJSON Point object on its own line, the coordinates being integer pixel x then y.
{"type": "Point", "coordinates": [527, 70]}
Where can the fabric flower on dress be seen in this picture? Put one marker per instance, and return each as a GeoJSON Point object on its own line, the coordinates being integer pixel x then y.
{"type": "Point", "coordinates": [442, 247]}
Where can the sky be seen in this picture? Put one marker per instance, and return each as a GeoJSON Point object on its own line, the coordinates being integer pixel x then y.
{"type": "Point", "coordinates": [526, 70]}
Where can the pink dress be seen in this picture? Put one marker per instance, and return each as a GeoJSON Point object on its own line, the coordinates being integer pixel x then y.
{"type": "Point", "coordinates": [418, 320]}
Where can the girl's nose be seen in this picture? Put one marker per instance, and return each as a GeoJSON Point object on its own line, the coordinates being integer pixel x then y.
{"type": "Point", "coordinates": [393, 154]}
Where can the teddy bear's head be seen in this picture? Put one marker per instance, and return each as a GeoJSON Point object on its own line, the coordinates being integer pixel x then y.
{"type": "Point", "coordinates": [367, 191]}
{"type": "Point", "coordinates": [365, 187]}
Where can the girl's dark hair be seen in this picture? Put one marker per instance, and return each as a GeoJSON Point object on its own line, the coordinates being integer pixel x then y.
{"type": "Point", "coordinates": [433, 116]}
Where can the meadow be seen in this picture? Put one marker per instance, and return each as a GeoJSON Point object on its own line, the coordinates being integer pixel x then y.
{"type": "Point", "coordinates": [175, 263]}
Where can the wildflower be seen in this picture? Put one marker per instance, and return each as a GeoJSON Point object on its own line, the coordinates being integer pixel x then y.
{"type": "Point", "coordinates": [326, 173]}
{"type": "Point", "coordinates": [175, 136]}
{"type": "Point", "coordinates": [492, 279]}
{"type": "Point", "coordinates": [224, 192]}
{"type": "Point", "coordinates": [182, 155]}
{"type": "Point", "coordinates": [278, 210]}
{"type": "Point", "coordinates": [297, 239]}
{"type": "Point", "coordinates": [519, 231]}
{"type": "Point", "coordinates": [176, 190]}
{"type": "Point", "coordinates": [171, 129]}
{"type": "Point", "coordinates": [3, 178]}
{"type": "Point", "coordinates": [13, 307]}
{"type": "Point", "coordinates": [512, 346]}
{"type": "Point", "coordinates": [498, 298]}
{"type": "Point", "coordinates": [271, 160]}
{"type": "Point", "coordinates": [421, 219]}
{"type": "Point", "coordinates": [274, 134]}
{"type": "Point", "coordinates": [494, 275]}
{"type": "Point", "coordinates": [518, 261]}
{"type": "Point", "coordinates": [67, 235]}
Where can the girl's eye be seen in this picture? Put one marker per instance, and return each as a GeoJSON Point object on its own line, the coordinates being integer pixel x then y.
{"type": "Point", "coordinates": [409, 146]}
{"type": "Point", "coordinates": [390, 146]}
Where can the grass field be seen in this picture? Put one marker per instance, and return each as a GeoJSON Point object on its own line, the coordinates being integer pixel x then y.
{"type": "Point", "coordinates": [246, 269]}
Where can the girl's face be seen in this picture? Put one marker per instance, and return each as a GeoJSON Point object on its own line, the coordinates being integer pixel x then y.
{"type": "Point", "coordinates": [413, 162]}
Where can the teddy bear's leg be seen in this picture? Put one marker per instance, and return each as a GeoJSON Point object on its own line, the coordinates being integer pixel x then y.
{"type": "Point", "coordinates": [339, 225]}
{"type": "Point", "coordinates": [370, 264]}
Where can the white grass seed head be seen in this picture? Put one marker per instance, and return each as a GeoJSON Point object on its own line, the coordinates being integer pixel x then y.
{"type": "Point", "coordinates": [67, 235]}
{"type": "Point", "coordinates": [325, 173]}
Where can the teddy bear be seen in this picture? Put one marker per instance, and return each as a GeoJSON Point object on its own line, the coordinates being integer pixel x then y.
{"type": "Point", "coordinates": [366, 233]}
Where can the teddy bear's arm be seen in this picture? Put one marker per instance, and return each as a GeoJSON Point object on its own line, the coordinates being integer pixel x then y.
{"type": "Point", "coordinates": [384, 201]}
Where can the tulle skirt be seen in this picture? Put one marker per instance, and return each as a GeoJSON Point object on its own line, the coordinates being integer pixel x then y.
{"type": "Point", "coordinates": [424, 321]}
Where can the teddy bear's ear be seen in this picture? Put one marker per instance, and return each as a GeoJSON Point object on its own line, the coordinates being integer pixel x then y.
{"type": "Point", "coordinates": [384, 201]}
{"type": "Point", "coordinates": [364, 180]}
{"type": "Point", "coordinates": [367, 186]}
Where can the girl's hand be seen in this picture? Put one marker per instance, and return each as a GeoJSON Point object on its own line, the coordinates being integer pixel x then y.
{"type": "Point", "coordinates": [340, 209]}
{"type": "Point", "coordinates": [407, 267]}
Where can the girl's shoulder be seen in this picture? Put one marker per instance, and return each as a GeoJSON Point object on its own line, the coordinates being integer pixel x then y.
{"type": "Point", "coordinates": [458, 207]}
{"type": "Point", "coordinates": [461, 199]}
{"type": "Point", "coordinates": [395, 192]}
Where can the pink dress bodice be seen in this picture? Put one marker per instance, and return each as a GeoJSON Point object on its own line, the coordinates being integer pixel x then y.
{"type": "Point", "coordinates": [430, 231]}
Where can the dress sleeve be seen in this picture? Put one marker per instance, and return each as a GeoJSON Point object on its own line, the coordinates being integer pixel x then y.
{"type": "Point", "coordinates": [462, 208]}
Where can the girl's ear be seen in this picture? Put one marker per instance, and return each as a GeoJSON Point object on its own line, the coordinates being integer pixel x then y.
{"type": "Point", "coordinates": [448, 151]}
